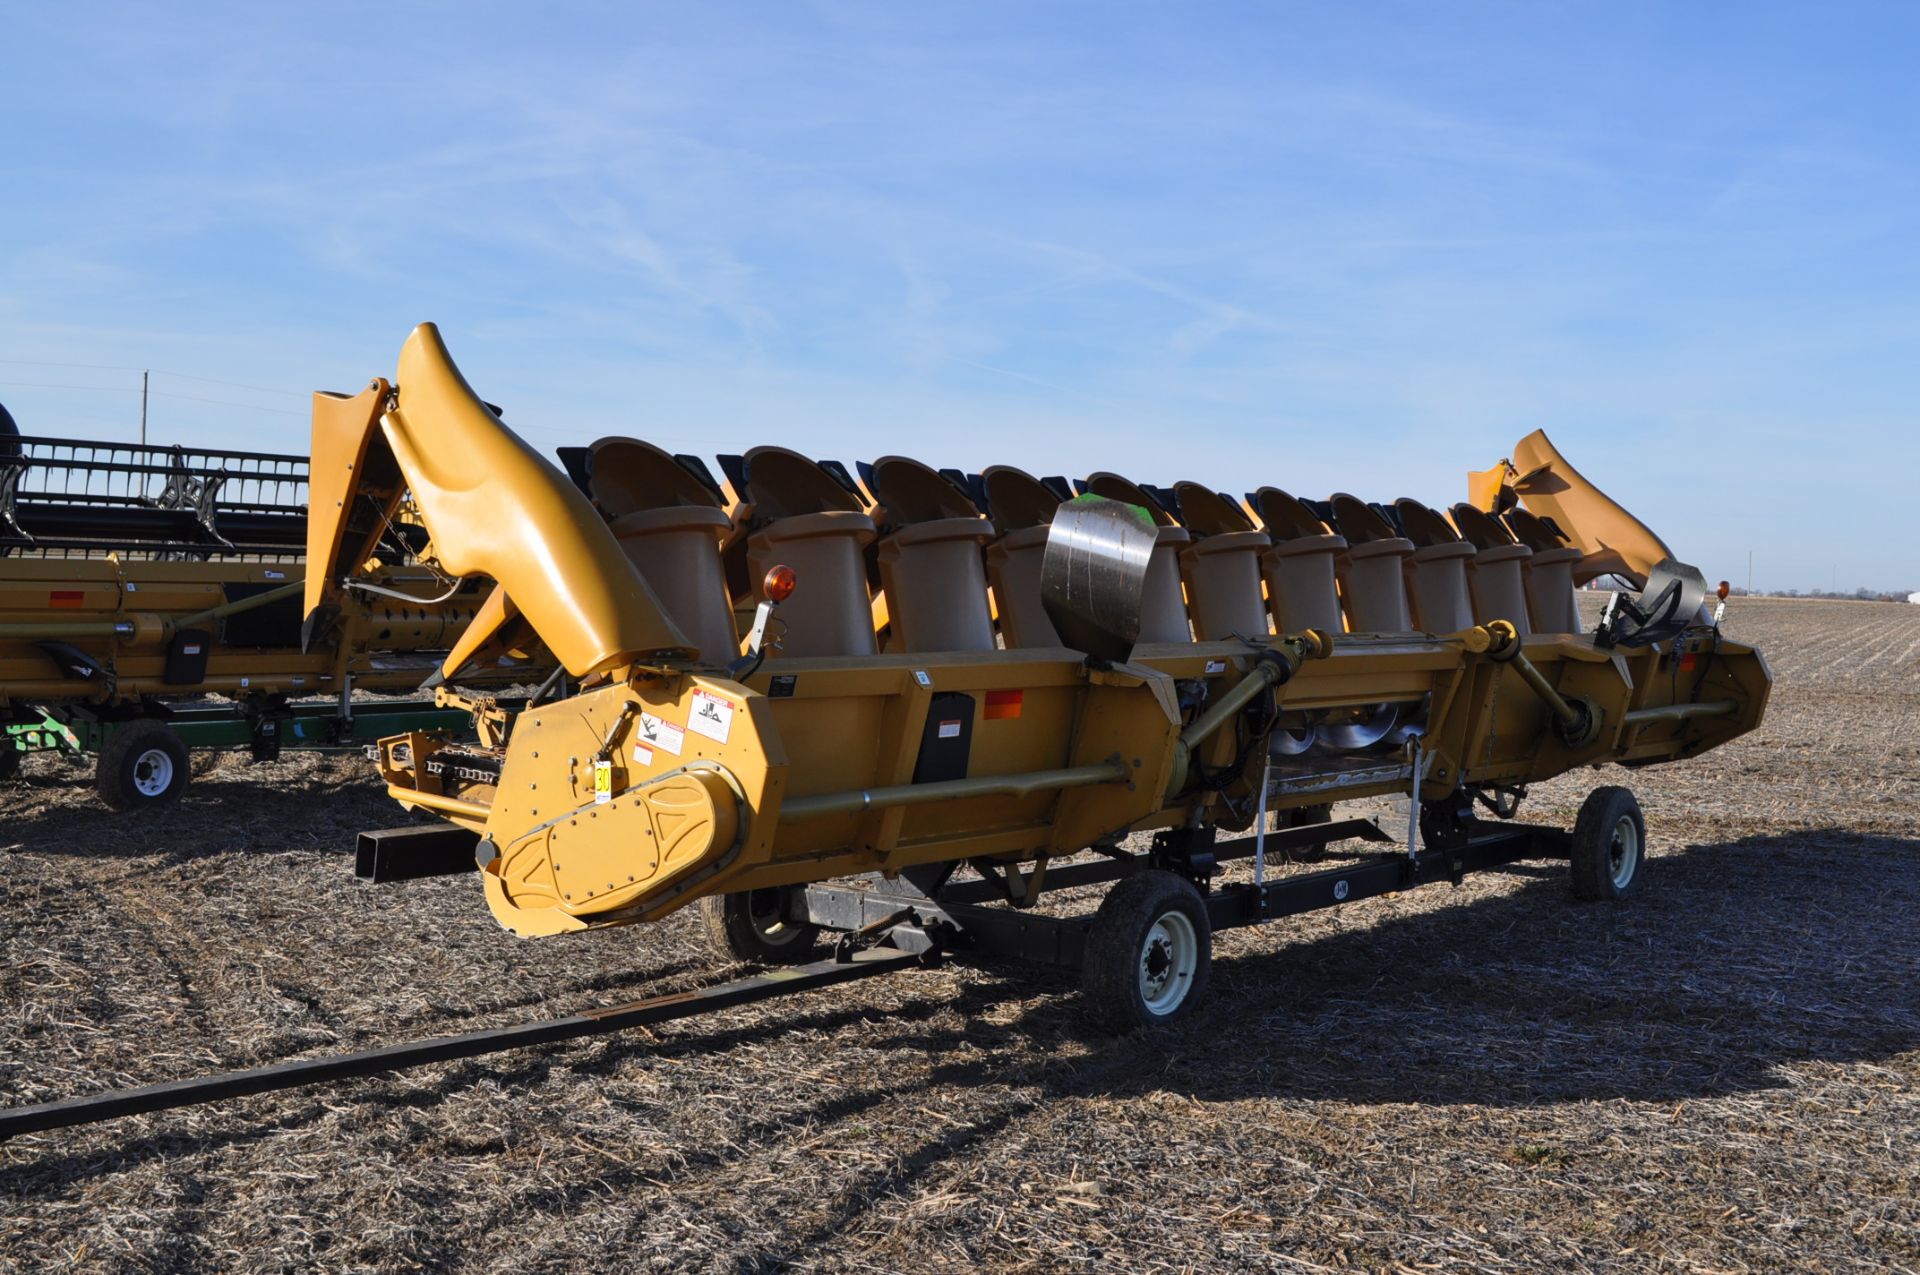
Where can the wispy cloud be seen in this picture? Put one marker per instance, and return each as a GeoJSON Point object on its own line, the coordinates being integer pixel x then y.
{"type": "Point", "coordinates": [1362, 248]}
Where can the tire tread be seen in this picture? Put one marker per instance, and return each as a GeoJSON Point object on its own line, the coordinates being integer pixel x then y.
{"type": "Point", "coordinates": [1109, 981]}
{"type": "Point", "coordinates": [731, 933]}
{"type": "Point", "coordinates": [1592, 869]}
{"type": "Point", "coordinates": [113, 778]}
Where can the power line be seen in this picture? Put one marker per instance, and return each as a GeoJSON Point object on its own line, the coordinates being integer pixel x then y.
{"type": "Point", "coordinates": [134, 389]}
{"type": "Point", "coordinates": [188, 376]}
{"type": "Point", "coordinates": [91, 367]}
{"type": "Point", "coordinates": [251, 407]}
{"type": "Point", "coordinates": [185, 376]}
{"type": "Point", "coordinates": [98, 389]}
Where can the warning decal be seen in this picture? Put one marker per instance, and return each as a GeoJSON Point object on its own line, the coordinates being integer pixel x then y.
{"type": "Point", "coordinates": [712, 716]}
{"type": "Point", "coordinates": [661, 734]}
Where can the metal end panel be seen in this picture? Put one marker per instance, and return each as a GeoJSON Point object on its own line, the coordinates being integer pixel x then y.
{"type": "Point", "coordinates": [1094, 574]}
{"type": "Point", "coordinates": [498, 508]}
{"type": "Point", "coordinates": [1613, 539]}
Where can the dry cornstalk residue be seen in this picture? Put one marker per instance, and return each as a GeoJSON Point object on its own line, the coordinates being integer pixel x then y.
{"type": "Point", "coordinates": [1720, 1075]}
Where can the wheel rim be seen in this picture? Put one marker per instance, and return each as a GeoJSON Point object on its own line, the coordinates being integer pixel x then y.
{"type": "Point", "coordinates": [1623, 851]}
{"type": "Point", "coordinates": [152, 772]}
{"type": "Point", "coordinates": [1168, 958]}
{"type": "Point", "coordinates": [764, 914]}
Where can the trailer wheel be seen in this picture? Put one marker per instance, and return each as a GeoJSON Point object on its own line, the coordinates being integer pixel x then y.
{"type": "Point", "coordinates": [1149, 952]}
{"type": "Point", "coordinates": [752, 926]}
{"type": "Point", "coordinates": [144, 763]}
{"type": "Point", "coordinates": [1609, 845]}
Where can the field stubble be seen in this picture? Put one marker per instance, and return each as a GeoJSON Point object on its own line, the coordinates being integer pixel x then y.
{"type": "Point", "coordinates": [1720, 1075]}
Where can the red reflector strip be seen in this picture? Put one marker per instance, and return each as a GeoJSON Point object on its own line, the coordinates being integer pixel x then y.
{"type": "Point", "coordinates": [1002, 704]}
{"type": "Point", "coordinates": [66, 598]}
{"type": "Point", "coordinates": [1686, 662]}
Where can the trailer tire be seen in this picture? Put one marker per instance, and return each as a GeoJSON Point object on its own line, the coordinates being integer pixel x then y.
{"type": "Point", "coordinates": [1609, 845]}
{"type": "Point", "coordinates": [1149, 952]}
{"type": "Point", "coordinates": [143, 764]}
{"type": "Point", "coordinates": [750, 926]}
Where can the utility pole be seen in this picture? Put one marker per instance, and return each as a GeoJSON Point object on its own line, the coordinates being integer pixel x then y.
{"type": "Point", "coordinates": [143, 409]}
{"type": "Point", "coordinates": [1749, 573]}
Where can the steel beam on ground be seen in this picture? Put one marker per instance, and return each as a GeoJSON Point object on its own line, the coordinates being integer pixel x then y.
{"type": "Point", "coordinates": [389, 1058]}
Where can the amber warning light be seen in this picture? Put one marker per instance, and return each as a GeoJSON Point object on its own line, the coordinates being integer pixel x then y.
{"type": "Point", "coordinates": [778, 586]}
{"type": "Point", "coordinates": [1722, 591]}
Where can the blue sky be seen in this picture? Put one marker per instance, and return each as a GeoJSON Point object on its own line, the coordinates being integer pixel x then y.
{"type": "Point", "coordinates": [1332, 246]}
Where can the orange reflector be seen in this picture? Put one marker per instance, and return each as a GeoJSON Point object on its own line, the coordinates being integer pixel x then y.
{"type": "Point", "coordinates": [1002, 704]}
{"type": "Point", "coordinates": [778, 586]}
{"type": "Point", "coordinates": [66, 598]}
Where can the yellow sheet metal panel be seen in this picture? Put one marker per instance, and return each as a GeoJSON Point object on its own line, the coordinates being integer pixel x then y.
{"type": "Point", "coordinates": [496, 507]}
{"type": "Point", "coordinates": [487, 638]}
{"type": "Point", "coordinates": [694, 774]}
{"type": "Point", "coordinates": [1612, 539]}
{"type": "Point", "coordinates": [341, 492]}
